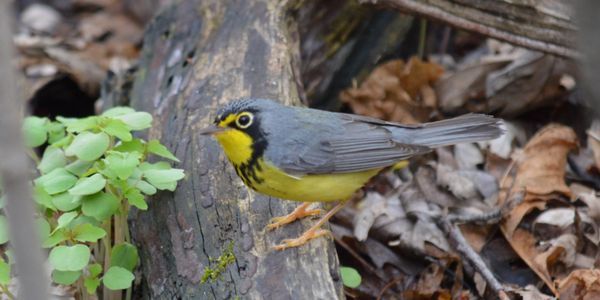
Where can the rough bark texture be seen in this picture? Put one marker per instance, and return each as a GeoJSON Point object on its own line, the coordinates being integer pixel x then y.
{"type": "Point", "coordinates": [543, 25]}
{"type": "Point", "coordinates": [197, 56]}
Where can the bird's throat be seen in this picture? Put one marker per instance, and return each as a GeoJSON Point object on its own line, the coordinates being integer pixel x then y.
{"type": "Point", "coordinates": [237, 145]}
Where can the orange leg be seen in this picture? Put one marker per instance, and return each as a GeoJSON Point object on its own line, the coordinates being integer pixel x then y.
{"type": "Point", "coordinates": [314, 232]}
{"type": "Point", "coordinates": [298, 213]}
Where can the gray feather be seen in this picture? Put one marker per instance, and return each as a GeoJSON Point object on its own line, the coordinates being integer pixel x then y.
{"type": "Point", "coordinates": [308, 141]}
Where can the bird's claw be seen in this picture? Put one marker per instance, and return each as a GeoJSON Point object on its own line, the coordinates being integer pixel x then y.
{"type": "Point", "coordinates": [299, 213]}
{"type": "Point", "coordinates": [301, 240]}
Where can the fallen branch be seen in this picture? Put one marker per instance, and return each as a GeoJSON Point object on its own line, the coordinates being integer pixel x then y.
{"type": "Point", "coordinates": [545, 29]}
{"type": "Point", "coordinates": [464, 249]}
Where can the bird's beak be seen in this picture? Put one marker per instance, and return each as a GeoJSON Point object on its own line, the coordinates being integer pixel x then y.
{"type": "Point", "coordinates": [211, 129]}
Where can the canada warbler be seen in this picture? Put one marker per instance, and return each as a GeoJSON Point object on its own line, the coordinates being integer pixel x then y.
{"type": "Point", "coordinates": [309, 155]}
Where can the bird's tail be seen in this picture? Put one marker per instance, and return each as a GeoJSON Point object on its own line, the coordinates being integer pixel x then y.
{"type": "Point", "coordinates": [464, 129]}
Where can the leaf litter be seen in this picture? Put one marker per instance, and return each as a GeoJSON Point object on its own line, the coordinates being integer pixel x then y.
{"type": "Point", "coordinates": [527, 203]}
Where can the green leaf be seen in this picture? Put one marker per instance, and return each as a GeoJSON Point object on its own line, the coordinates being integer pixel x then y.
{"type": "Point", "coordinates": [42, 197]}
{"type": "Point", "coordinates": [65, 277]}
{"type": "Point", "coordinates": [3, 229]}
{"type": "Point", "coordinates": [122, 163]}
{"type": "Point", "coordinates": [57, 181]}
{"type": "Point", "coordinates": [4, 272]}
{"type": "Point", "coordinates": [79, 167]}
{"type": "Point", "coordinates": [88, 146]}
{"type": "Point", "coordinates": [350, 277]}
{"type": "Point", "coordinates": [53, 158]}
{"type": "Point", "coordinates": [100, 205]}
{"type": "Point", "coordinates": [65, 219]}
{"type": "Point", "coordinates": [118, 111]}
{"type": "Point", "coordinates": [69, 258]}
{"type": "Point", "coordinates": [91, 284]}
{"type": "Point", "coordinates": [117, 278]}
{"type": "Point", "coordinates": [95, 270]}
{"type": "Point", "coordinates": [66, 201]}
{"type": "Point", "coordinates": [124, 255]}
{"type": "Point", "coordinates": [164, 179]}
{"type": "Point", "coordinates": [136, 120]}
{"type": "Point", "coordinates": [118, 128]}
{"type": "Point", "coordinates": [88, 233]}
{"type": "Point", "coordinates": [145, 187]}
{"type": "Point", "coordinates": [88, 186]}
{"type": "Point", "coordinates": [34, 131]}
{"type": "Point", "coordinates": [135, 198]}
{"type": "Point", "coordinates": [56, 132]}
{"type": "Point", "coordinates": [64, 141]}
{"type": "Point", "coordinates": [85, 219]}
{"type": "Point", "coordinates": [155, 147]}
{"type": "Point", "coordinates": [54, 239]}
{"type": "Point", "coordinates": [79, 124]}
{"type": "Point", "coordinates": [137, 174]}
{"type": "Point", "coordinates": [133, 145]}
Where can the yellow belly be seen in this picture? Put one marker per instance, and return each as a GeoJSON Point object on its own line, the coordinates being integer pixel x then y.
{"type": "Point", "coordinates": [309, 188]}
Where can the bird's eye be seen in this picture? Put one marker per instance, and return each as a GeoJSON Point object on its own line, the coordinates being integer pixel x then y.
{"type": "Point", "coordinates": [244, 120]}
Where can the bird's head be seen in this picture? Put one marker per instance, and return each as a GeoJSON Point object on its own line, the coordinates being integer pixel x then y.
{"type": "Point", "coordinates": [237, 127]}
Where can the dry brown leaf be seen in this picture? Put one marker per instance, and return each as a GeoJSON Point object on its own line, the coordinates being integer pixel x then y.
{"type": "Point", "coordinates": [512, 221]}
{"type": "Point", "coordinates": [540, 172]}
{"type": "Point", "coordinates": [396, 91]}
{"type": "Point", "coordinates": [530, 292]}
{"type": "Point", "coordinates": [457, 89]}
{"type": "Point", "coordinates": [508, 83]}
{"type": "Point", "coordinates": [541, 167]}
{"type": "Point", "coordinates": [524, 243]}
{"type": "Point", "coordinates": [580, 284]}
{"type": "Point", "coordinates": [430, 282]}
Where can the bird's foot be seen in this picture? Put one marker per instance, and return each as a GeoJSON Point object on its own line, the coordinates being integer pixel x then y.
{"type": "Point", "coordinates": [301, 240]}
{"type": "Point", "coordinates": [298, 213]}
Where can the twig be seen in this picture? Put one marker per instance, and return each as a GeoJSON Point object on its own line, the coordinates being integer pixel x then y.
{"type": "Point", "coordinates": [464, 249]}
{"type": "Point", "coordinates": [361, 260]}
{"type": "Point", "coordinates": [14, 166]}
{"type": "Point", "coordinates": [7, 292]}
{"type": "Point", "coordinates": [491, 217]}
{"type": "Point", "coordinates": [388, 286]}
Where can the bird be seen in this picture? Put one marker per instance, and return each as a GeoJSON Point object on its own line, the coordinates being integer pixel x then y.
{"type": "Point", "coordinates": [309, 155]}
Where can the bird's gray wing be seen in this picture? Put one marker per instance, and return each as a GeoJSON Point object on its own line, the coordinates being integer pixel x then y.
{"type": "Point", "coordinates": [353, 144]}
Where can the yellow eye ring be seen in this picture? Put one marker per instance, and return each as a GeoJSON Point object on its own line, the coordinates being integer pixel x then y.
{"type": "Point", "coordinates": [244, 120]}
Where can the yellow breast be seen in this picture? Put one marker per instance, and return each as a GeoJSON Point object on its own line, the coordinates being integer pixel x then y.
{"type": "Point", "coordinates": [266, 178]}
{"type": "Point", "coordinates": [321, 187]}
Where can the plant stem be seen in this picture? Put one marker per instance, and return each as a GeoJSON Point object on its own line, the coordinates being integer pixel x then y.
{"type": "Point", "coordinates": [107, 249]}
{"type": "Point", "coordinates": [7, 292]}
{"type": "Point", "coordinates": [33, 156]}
{"type": "Point", "coordinates": [124, 221]}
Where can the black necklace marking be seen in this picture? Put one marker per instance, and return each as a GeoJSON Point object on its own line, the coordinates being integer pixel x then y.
{"type": "Point", "coordinates": [247, 171]}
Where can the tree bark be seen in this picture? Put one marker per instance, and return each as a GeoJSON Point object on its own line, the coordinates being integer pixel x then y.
{"type": "Point", "coordinates": [543, 25]}
{"type": "Point", "coordinates": [197, 56]}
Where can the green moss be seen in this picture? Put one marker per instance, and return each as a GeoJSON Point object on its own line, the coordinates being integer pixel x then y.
{"type": "Point", "coordinates": [220, 265]}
